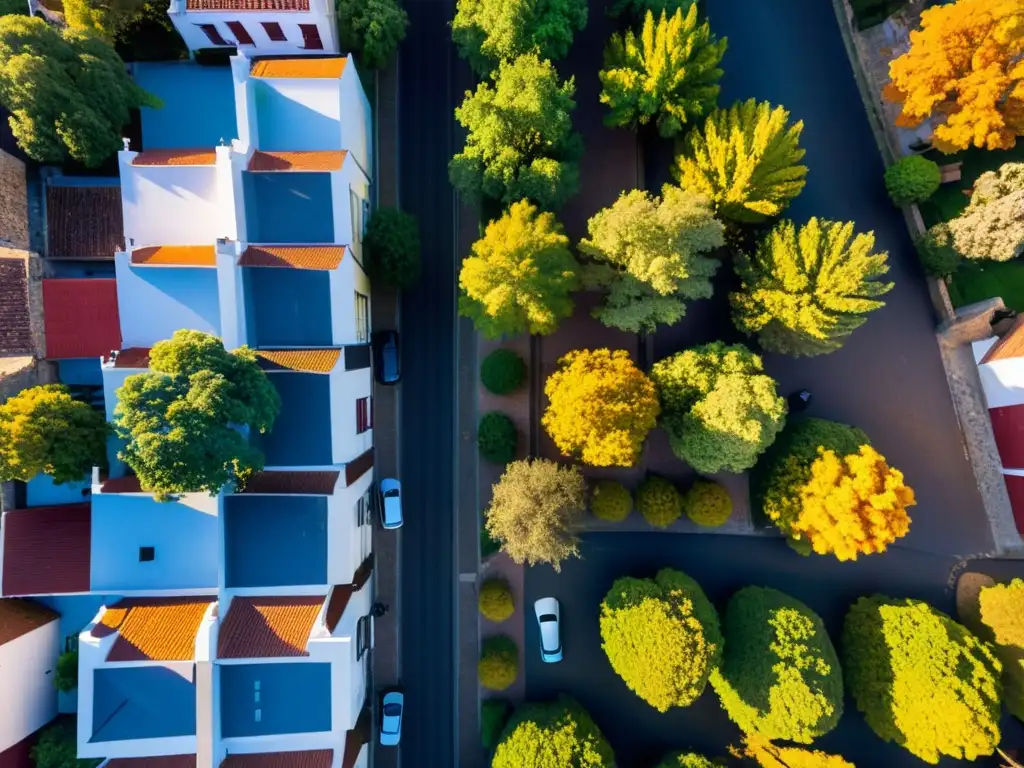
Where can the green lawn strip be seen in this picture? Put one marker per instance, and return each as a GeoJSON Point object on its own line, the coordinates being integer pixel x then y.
{"type": "Point", "coordinates": [980, 280]}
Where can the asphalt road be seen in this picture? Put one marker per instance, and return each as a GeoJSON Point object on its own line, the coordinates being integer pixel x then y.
{"type": "Point", "coordinates": [428, 393]}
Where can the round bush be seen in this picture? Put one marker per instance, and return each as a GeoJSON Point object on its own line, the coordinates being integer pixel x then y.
{"type": "Point", "coordinates": [912, 179]}
{"type": "Point", "coordinates": [495, 600]}
{"type": "Point", "coordinates": [499, 663]}
{"type": "Point", "coordinates": [708, 503]}
{"type": "Point", "coordinates": [661, 636]}
{"type": "Point", "coordinates": [780, 676]}
{"type": "Point", "coordinates": [935, 250]}
{"type": "Point", "coordinates": [658, 501]}
{"type": "Point", "coordinates": [497, 437]}
{"type": "Point", "coordinates": [611, 501]}
{"type": "Point", "coordinates": [557, 734]}
{"type": "Point", "coordinates": [1000, 607]}
{"type": "Point", "coordinates": [921, 679]}
{"type": "Point", "coordinates": [502, 371]}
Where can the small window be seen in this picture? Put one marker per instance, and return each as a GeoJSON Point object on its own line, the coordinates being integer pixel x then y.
{"type": "Point", "coordinates": [364, 636]}
{"type": "Point", "coordinates": [361, 512]}
{"type": "Point", "coordinates": [241, 34]}
{"type": "Point", "coordinates": [311, 37]}
{"type": "Point", "coordinates": [364, 415]}
{"type": "Point", "coordinates": [362, 318]}
{"type": "Point", "coordinates": [366, 215]}
{"type": "Point", "coordinates": [274, 31]}
{"type": "Point", "coordinates": [147, 554]}
{"type": "Point", "coordinates": [213, 34]}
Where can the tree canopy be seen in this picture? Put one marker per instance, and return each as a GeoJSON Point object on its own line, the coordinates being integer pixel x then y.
{"type": "Point", "coordinates": [1001, 608]}
{"type": "Point", "coordinates": [372, 29]}
{"type": "Point", "coordinates": [44, 431]}
{"type": "Point", "coordinates": [966, 65]}
{"type": "Point", "coordinates": [520, 276]}
{"type": "Point", "coordinates": [804, 291]}
{"type": "Point", "coordinates": [520, 142]}
{"type": "Point", "coordinates": [921, 679]}
{"type": "Point", "coordinates": [487, 32]}
{"type": "Point", "coordinates": [745, 159]}
{"type": "Point", "coordinates": [600, 407]}
{"type": "Point", "coordinates": [392, 243]}
{"type": "Point", "coordinates": [182, 422]}
{"type": "Point", "coordinates": [992, 226]}
{"type": "Point", "coordinates": [780, 676]}
{"type": "Point", "coordinates": [685, 760]}
{"type": "Point", "coordinates": [107, 18]}
{"type": "Point", "coordinates": [532, 510]}
{"type": "Point", "coordinates": [661, 636]}
{"type": "Point", "coordinates": [637, 8]}
{"type": "Point", "coordinates": [69, 94]}
{"type": "Point", "coordinates": [649, 257]}
{"type": "Point", "coordinates": [720, 409]}
{"type": "Point", "coordinates": [768, 755]}
{"type": "Point", "coordinates": [667, 74]}
{"type": "Point", "coordinates": [557, 733]}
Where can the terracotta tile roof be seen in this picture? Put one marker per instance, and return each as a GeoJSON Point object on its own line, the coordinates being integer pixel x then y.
{"type": "Point", "coordinates": [176, 157]}
{"type": "Point", "coordinates": [293, 256]}
{"type": "Point", "coordinates": [1010, 345]}
{"type": "Point", "coordinates": [157, 628]}
{"type": "Point", "coordinates": [302, 360]}
{"type": "Point", "coordinates": [132, 357]}
{"type": "Point", "coordinates": [84, 222]}
{"type": "Point", "coordinates": [176, 256]}
{"type": "Point", "coordinates": [315, 758]}
{"type": "Point", "coordinates": [320, 483]}
{"type": "Point", "coordinates": [305, 67]}
{"type": "Point", "coordinates": [81, 317]}
{"type": "Point", "coordinates": [164, 761]}
{"type": "Point", "coordinates": [19, 617]}
{"type": "Point", "coordinates": [47, 550]}
{"type": "Point", "coordinates": [267, 627]}
{"type": "Point", "coordinates": [247, 5]}
{"type": "Point", "coordinates": [317, 160]}
{"type": "Point", "coordinates": [15, 326]}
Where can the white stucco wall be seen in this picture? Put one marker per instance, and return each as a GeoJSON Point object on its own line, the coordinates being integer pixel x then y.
{"type": "Point", "coordinates": [231, 295]}
{"type": "Point", "coordinates": [298, 114]}
{"type": "Point", "coordinates": [320, 13]}
{"type": "Point", "coordinates": [356, 119]}
{"type": "Point", "coordinates": [346, 280]}
{"type": "Point", "coordinates": [27, 666]}
{"type": "Point", "coordinates": [346, 388]}
{"type": "Point", "coordinates": [350, 692]}
{"type": "Point", "coordinates": [1003, 382]}
{"type": "Point", "coordinates": [348, 543]}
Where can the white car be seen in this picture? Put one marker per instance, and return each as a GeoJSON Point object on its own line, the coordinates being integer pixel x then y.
{"type": "Point", "coordinates": [550, 636]}
{"type": "Point", "coordinates": [392, 707]}
{"type": "Point", "coordinates": [390, 503]}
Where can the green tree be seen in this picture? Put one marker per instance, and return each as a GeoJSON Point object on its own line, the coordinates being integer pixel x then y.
{"type": "Point", "coordinates": [780, 676]}
{"type": "Point", "coordinates": [649, 257]}
{"type": "Point", "coordinates": [182, 421]}
{"type": "Point", "coordinates": [558, 733]}
{"type": "Point", "coordinates": [1001, 608]}
{"type": "Point", "coordinates": [13, 7]}
{"type": "Point", "coordinates": [392, 243]}
{"type": "Point", "coordinates": [992, 226]}
{"type": "Point", "coordinates": [768, 755]}
{"type": "Point", "coordinates": [745, 159]}
{"type": "Point", "coordinates": [662, 637]}
{"type": "Point", "coordinates": [487, 32]}
{"type": "Point", "coordinates": [805, 291]}
{"type": "Point", "coordinates": [720, 409]}
{"type": "Point", "coordinates": [635, 9]}
{"type": "Point", "coordinates": [685, 760]}
{"type": "Point", "coordinates": [69, 95]}
{"type": "Point", "coordinates": [66, 677]}
{"type": "Point", "coordinates": [912, 179]}
{"type": "Point", "coordinates": [921, 679]}
{"type": "Point", "coordinates": [520, 276]}
{"type": "Point", "coordinates": [372, 29]}
{"type": "Point", "coordinates": [44, 431]}
{"type": "Point", "coordinates": [107, 18]}
{"type": "Point", "coordinates": [58, 748]}
{"type": "Point", "coordinates": [520, 142]}
{"type": "Point", "coordinates": [668, 74]}
{"type": "Point", "coordinates": [533, 508]}
{"type": "Point", "coordinates": [939, 257]}
{"type": "Point", "coordinates": [493, 716]}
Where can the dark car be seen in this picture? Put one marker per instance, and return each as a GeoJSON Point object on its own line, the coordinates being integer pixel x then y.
{"type": "Point", "coordinates": [387, 364]}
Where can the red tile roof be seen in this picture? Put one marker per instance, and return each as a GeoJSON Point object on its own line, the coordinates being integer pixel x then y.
{"type": "Point", "coordinates": [305, 67]}
{"type": "Point", "coordinates": [247, 5]}
{"type": "Point", "coordinates": [176, 256]}
{"type": "Point", "coordinates": [19, 617]}
{"type": "Point", "coordinates": [157, 628]}
{"type": "Point", "coordinates": [1008, 427]}
{"type": "Point", "coordinates": [315, 758]}
{"type": "Point", "coordinates": [132, 357]}
{"type": "Point", "coordinates": [267, 627]}
{"type": "Point", "coordinates": [176, 157]}
{"type": "Point", "coordinates": [1010, 344]}
{"type": "Point", "coordinates": [164, 761]}
{"type": "Point", "coordinates": [84, 222]}
{"type": "Point", "coordinates": [47, 550]}
{"type": "Point", "coordinates": [293, 256]}
{"type": "Point", "coordinates": [314, 160]}
{"type": "Point", "coordinates": [80, 317]}
{"type": "Point", "coordinates": [15, 326]}
{"type": "Point", "coordinates": [319, 483]}
{"type": "Point", "coordinates": [301, 360]}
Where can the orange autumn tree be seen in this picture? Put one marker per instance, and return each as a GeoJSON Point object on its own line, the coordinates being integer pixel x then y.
{"type": "Point", "coordinates": [965, 62]}
{"type": "Point", "coordinates": [601, 407]}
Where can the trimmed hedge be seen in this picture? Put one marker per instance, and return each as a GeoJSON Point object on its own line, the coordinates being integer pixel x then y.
{"type": "Point", "coordinates": [495, 600]}
{"type": "Point", "coordinates": [493, 716]}
{"type": "Point", "coordinates": [610, 501]}
{"type": "Point", "coordinates": [497, 438]}
{"type": "Point", "coordinates": [658, 501]}
{"type": "Point", "coordinates": [502, 372]}
{"type": "Point", "coordinates": [1001, 608]}
{"type": "Point", "coordinates": [707, 503]}
{"type": "Point", "coordinates": [499, 662]}
{"type": "Point", "coordinates": [912, 179]}
{"type": "Point", "coordinates": [936, 252]}
{"type": "Point", "coordinates": [557, 734]}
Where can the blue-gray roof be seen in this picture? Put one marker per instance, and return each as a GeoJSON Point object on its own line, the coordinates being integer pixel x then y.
{"type": "Point", "coordinates": [198, 105]}
{"type": "Point", "coordinates": [142, 703]}
{"type": "Point", "coordinates": [262, 699]}
{"type": "Point", "coordinates": [288, 307]}
{"type": "Point", "coordinates": [301, 435]}
{"type": "Point", "coordinates": [293, 207]}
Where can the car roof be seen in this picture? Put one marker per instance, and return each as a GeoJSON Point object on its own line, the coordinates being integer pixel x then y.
{"type": "Point", "coordinates": [394, 697]}
{"type": "Point", "coordinates": [388, 483]}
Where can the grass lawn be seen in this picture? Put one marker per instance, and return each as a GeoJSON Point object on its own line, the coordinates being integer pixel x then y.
{"type": "Point", "coordinates": [950, 200]}
{"type": "Point", "coordinates": [980, 280]}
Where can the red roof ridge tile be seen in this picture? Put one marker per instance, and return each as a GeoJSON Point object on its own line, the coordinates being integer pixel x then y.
{"type": "Point", "coordinates": [166, 157]}
{"type": "Point", "coordinates": [314, 160]}
{"type": "Point", "coordinates": [306, 67]}
{"type": "Point", "coordinates": [247, 5]}
{"type": "Point", "coordinates": [274, 626]}
{"type": "Point", "coordinates": [287, 482]}
{"type": "Point", "coordinates": [84, 222]}
{"type": "Point", "coordinates": [322, 257]}
{"type": "Point", "coordinates": [175, 256]}
{"type": "Point", "coordinates": [132, 357]}
{"type": "Point", "coordinates": [80, 317]}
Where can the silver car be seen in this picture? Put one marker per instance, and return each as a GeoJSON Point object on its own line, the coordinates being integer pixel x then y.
{"type": "Point", "coordinates": [550, 635]}
{"type": "Point", "coordinates": [390, 503]}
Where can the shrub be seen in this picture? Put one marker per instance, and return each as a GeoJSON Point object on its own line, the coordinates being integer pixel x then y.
{"type": "Point", "coordinates": [658, 501]}
{"type": "Point", "coordinates": [497, 437]}
{"type": "Point", "coordinates": [991, 226]}
{"type": "Point", "coordinates": [499, 662]}
{"type": "Point", "coordinates": [610, 501]}
{"type": "Point", "coordinates": [502, 371]}
{"type": "Point", "coordinates": [936, 252]}
{"type": "Point", "coordinates": [921, 679]}
{"type": "Point", "coordinates": [493, 716]}
{"type": "Point", "coordinates": [58, 748]}
{"type": "Point", "coordinates": [1002, 616]}
{"type": "Point", "coordinates": [661, 636]}
{"type": "Point", "coordinates": [912, 179]}
{"type": "Point", "coordinates": [768, 755]}
{"type": "Point", "coordinates": [708, 503]}
{"type": "Point", "coordinates": [685, 760]}
{"type": "Point", "coordinates": [66, 677]}
{"type": "Point", "coordinates": [495, 600]}
{"type": "Point", "coordinates": [392, 243]}
{"type": "Point", "coordinates": [372, 29]}
{"type": "Point", "coordinates": [557, 734]}
{"type": "Point", "coordinates": [780, 676]}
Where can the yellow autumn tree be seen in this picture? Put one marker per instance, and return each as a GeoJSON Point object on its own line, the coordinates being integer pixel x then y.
{"type": "Point", "coordinates": [966, 62]}
{"type": "Point", "coordinates": [600, 407]}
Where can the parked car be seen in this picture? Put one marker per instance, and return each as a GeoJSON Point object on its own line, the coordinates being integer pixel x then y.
{"type": "Point", "coordinates": [392, 706]}
{"type": "Point", "coordinates": [390, 503]}
{"type": "Point", "coordinates": [387, 363]}
{"type": "Point", "coordinates": [550, 637]}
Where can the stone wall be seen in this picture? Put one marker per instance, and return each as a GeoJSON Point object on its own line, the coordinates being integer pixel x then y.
{"type": "Point", "coordinates": [13, 202]}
